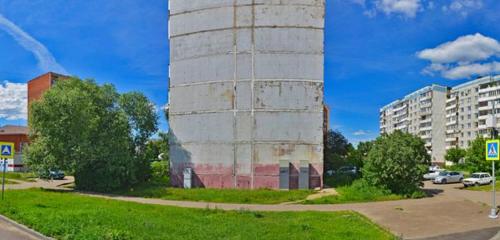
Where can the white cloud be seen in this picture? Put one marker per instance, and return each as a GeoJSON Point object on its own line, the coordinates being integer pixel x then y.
{"type": "Point", "coordinates": [361, 133]}
{"type": "Point", "coordinates": [464, 57]}
{"type": "Point", "coordinates": [408, 8]}
{"type": "Point", "coordinates": [464, 71]}
{"type": "Point", "coordinates": [13, 101]}
{"type": "Point", "coordinates": [463, 6]}
{"type": "Point", "coordinates": [46, 61]}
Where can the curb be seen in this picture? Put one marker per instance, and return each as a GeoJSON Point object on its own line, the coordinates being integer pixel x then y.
{"type": "Point", "coordinates": [24, 229]}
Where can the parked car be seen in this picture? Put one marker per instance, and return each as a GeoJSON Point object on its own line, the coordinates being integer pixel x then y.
{"type": "Point", "coordinates": [477, 179]}
{"type": "Point", "coordinates": [445, 177]}
{"type": "Point", "coordinates": [348, 170]}
{"type": "Point", "coordinates": [56, 175]}
{"type": "Point", "coordinates": [432, 174]}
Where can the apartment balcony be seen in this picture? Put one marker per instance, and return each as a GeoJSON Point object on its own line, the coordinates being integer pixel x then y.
{"type": "Point", "coordinates": [425, 113]}
{"type": "Point", "coordinates": [488, 89]}
{"type": "Point", "coordinates": [428, 120]}
{"type": "Point", "coordinates": [453, 122]}
{"type": "Point", "coordinates": [488, 98]}
{"type": "Point", "coordinates": [399, 114]}
{"type": "Point", "coordinates": [450, 139]}
{"type": "Point", "coordinates": [425, 98]}
{"type": "Point", "coordinates": [426, 136]}
{"type": "Point", "coordinates": [425, 105]}
{"type": "Point", "coordinates": [449, 100]}
{"type": "Point", "coordinates": [400, 108]}
{"type": "Point", "coordinates": [451, 107]}
{"type": "Point", "coordinates": [487, 107]}
{"type": "Point", "coordinates": [451, 114]}
{"type": "Point", "coordinates": [427, 128]}
{"type": "Point", "coordinates": [401, 127]}
{"type": "Point", "coordinates": [451, 131]}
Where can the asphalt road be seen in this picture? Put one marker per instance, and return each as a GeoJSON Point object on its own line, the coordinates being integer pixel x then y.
{"type": "Point", "coordinates": [10, 231]}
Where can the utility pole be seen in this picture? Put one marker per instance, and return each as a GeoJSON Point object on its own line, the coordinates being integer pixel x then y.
{"type": "Point", "coordinates": [493, 213]}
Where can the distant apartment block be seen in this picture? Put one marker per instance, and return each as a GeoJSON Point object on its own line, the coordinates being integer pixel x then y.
{"type": "Point", "coordinates": [420, 113]}
{"type": "Point", "coordinates": [445, 117]}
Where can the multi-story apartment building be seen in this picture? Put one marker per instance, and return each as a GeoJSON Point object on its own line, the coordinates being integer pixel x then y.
{"type": "Point", "coordinates": [420, 113]}
{"type": "Point", "coordinates": [454, 120]}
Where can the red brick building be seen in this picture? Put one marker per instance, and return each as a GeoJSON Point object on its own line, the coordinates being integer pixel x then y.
{"type": "Point", "coordinates": [37, 86]}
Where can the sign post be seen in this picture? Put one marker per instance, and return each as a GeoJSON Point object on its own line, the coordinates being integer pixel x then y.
{"type": "Point", "coordinates": [493, 155]}
{"type": "Point", "coordinates": [6, 152]}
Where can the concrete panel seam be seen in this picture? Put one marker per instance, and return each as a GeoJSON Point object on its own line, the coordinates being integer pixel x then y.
{"type": "Point", "coordinates": [244, 27]}
{"type": "Point", "coordinates": [247, 52]}
{"type": "Point", "coordinates": [243, 5]}
{"type": "Point", "coordinates": [247, 80]}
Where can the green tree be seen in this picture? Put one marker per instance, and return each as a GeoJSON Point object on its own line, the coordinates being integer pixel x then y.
{"type": "Point", "coordinates": [475, 156]}
{"type": "Point", "coordinates": [358, 156]}
{"type": "Point", "coordinates": [143, 121]}
{"type": "Point", "coordinates": [336, 150]}
{"type": "Point", "coordinates": [397, 162]}
{"type": "Point", "coordinates": [79, 127]}
{"type": "Point", "coordinates": [454, 155]}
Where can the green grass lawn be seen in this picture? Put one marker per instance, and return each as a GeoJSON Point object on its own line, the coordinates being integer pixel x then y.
{"type": "Point", "coordinates": [72, 216]}
{"type": "Point", "coordinates": [487, 187]}
{"type": "Point", "coordinates": [357, 192]}
{"type": "Point", "coordinates": [259, 196]}
{"type": "Point", "coordinates": [7, 181]}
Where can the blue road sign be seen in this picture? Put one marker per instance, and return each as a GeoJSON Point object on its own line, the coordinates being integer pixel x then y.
{"type": "Point", "coordinates": [6, 150]}
{"type": "Point", "coordinates": [492, 150]}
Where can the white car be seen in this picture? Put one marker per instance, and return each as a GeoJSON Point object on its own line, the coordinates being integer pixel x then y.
{"type": "Point", "coordinates": [432, 174]}
{"type": "Point", "coordinates": [477, 179]}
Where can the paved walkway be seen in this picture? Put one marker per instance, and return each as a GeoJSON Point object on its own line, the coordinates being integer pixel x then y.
{"type": "Point", "coordinates": [450, 214]}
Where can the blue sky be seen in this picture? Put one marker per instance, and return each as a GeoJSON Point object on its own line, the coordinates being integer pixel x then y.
{"type": "Point", "coordinates": [374, 50]}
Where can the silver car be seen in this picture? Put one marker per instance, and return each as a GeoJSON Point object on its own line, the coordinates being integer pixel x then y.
{"type": "Point", "coordinates": [449, 177]}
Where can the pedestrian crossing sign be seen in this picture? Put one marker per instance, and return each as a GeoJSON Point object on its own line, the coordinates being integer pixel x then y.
{"type": "Point", "coordinates": [6, 150]}
{"type": "Point", "coordinates": [492, 150]}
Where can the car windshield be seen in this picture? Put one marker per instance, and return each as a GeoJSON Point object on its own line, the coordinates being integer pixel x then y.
{"type": "Point", "coordinates": [443, 173]}
{"type": "Point", "coordinates": [475, 176]}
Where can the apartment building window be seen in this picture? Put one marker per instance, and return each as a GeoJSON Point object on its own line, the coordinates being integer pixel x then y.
{"type": "Point", "coordinates": [469, 134]}
{"type": "Point", "coordinates": [462, 118]}
{"type": "Point", "coordinates": [468, 100]}
{"type": "Point", "coordinates": [468, 125]}
{"type": "Point", "coordinates": [477, 89]}
{"type": "Point", "coordinates": [469, 108]}
{"type": "Point", "coordinates": [461, 109]}
{"type": "Point", "coordinates": [469, 116]}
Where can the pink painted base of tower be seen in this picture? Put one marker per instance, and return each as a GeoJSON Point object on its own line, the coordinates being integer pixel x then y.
{"type": "Point", "coordinates": [264, 176]}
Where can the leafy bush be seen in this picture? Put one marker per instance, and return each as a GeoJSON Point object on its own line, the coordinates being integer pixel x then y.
{"type": "Point", "coordinates": [358, 191]}
{"type": "Point", "coordinates": [455, 155]}
{"type": "Point", "coordinates": [474, 157]}
{"type": "Point", "coordinates": [160, 172]}
{"type": "Point", "coordinates": [397, 162]}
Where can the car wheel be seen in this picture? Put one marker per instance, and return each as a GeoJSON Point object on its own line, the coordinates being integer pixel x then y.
{"type": "Point", "coordinates": [476, 184]}
{"type": "Point", "coordinates": [444, 181]}
{"type": "Point", "coordinates": [461, 180]}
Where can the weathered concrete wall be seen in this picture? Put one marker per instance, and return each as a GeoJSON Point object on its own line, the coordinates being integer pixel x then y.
{"type": "Point", "coordinates": [246, 90]}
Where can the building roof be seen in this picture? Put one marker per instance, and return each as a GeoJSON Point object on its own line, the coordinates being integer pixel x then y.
{"type": "Point", "coordinates": [13, 129]}
{"type": "Point", "coordinates": [50, 75]}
